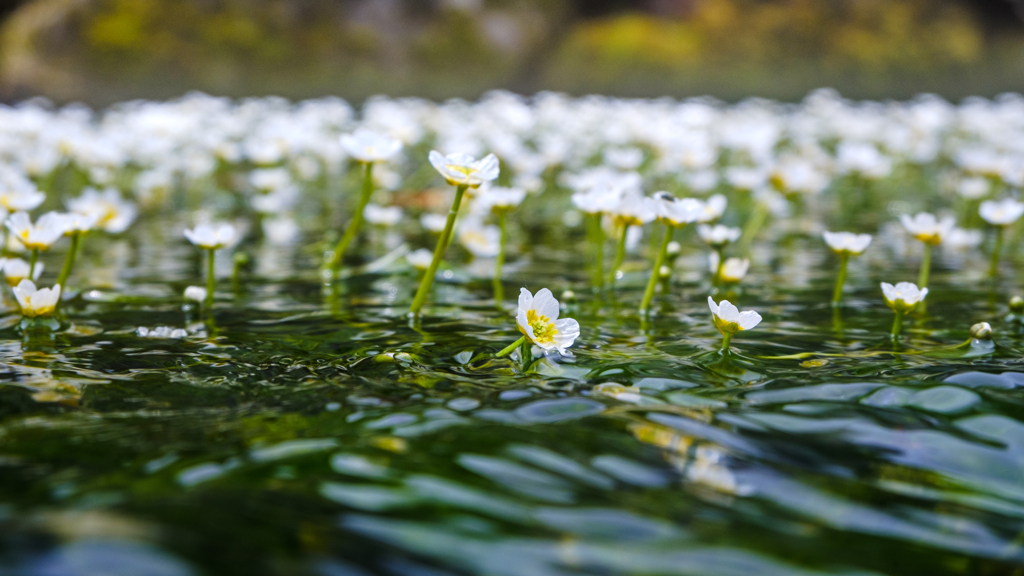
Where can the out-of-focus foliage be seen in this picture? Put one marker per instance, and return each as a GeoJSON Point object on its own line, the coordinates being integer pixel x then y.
{"type": "Point", "coordinates": [103, 50]}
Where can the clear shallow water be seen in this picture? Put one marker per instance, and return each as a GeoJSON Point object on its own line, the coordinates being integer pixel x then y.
{"type": "Point", "coordinates": [311, 432]}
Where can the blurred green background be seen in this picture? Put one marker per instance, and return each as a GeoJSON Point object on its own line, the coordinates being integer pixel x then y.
{"type": "Point", "coordinates": [101, 51]}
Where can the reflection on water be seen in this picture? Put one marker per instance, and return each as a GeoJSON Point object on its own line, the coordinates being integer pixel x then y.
{"type": "Point", "coordinates": [312, 431]}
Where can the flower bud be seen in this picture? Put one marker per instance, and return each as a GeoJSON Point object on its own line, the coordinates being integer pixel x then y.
{"type": "Point", "coordinates": [569, 297]}
{"type": "Point", "coordinates": [981, 331]}
{"type": "Point", "coordinates": [1017, 305]}
{"type": "Point", "coordinates": [665, 272]}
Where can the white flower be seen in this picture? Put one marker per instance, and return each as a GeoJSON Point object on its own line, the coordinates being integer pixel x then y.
{"type": "Point", "coordinates": [195, 293]}
{"type": "Point", "coordinates": [847, 242]}
{"type": "Point", "coordinates": [728, 318]}
{"type": "Point", "coordinates": [433, 222]}
{"type": "Point", "coordinates": [538, 320]}
{"type": "Point", "coordinates": [463, 170]}
{"type": "Point", "coordinates": [212, 236]}
{"type": "Point", "coordinates": [482, 241]}
{"type": "Point", "coordinates": [973, 187]}
{"type": "Point", "coordinates": [1001, 213]}
{"type": "Point", "coordinates": [497, 198]}
{"type": "Point", "coordinates": [927, 228]}
{"type": "Point", "coordinates": [368, 146]}
{"type": "Point", "coordinates": [36, 302]}
{"type": "Point", "coordinates": [382, 215]}
{"type": "Point", "coordinates": [111, 212]}
{"type": "Point", "coordinates": [960, 239]}
{"type": "Point", "coordinates": [16, 270]}
{"type": "Point", "coordinates": [714, 207]}
{"type": "Point", "coordinates": [904, 296]}
{"type": "Point", "coordinates": [41, 235]}
{"type": "Point", "coordinates": [732, 270]}
{"type": "Point", "coordinates": [677, 211]}
{"type": "Point", "coordinates": [18, 194]}
{"type": "Point", "coordinates": [420, 259]}
{"type": "Point", "coordinates": [718, 235]}
{"type": "Point", "coordinates": [79, 223]}
{"type": "Point", "coordinates": [635, 210]}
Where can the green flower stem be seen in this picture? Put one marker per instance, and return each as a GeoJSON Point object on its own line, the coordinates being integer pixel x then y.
{"type": "Point", "coordinates": [499, 288]}
{"type": "Point", "coordinates": [356, 223]}
{"type": "Point", "coordinates": [926, 267]}
{"type": "Point", "coordinates": [620, 254]}
{"type": "Point", "coordinates": [721, 263]}
{"type": "Point", "coordinates": [211, 279]}
{"type": "Point", "coordinates": [993, 268]}
{"type": "Point", "coordinates": [597, 238]}
{"type": "Point", "coordinates": [837, 294]}
{"type": "Point", "coordinates": [510, 348]}
{"type": "Point", "coordinates": [753, 226]}
{"type": "Point", "coordinates": [645, 305]}
{"type": "Point", "coordinates": [32, 264]}
{"type": "Point", "coordinates": [69, 261]}
{"type": "Point", "coordinates": [525, 350]}
{"type": "Point", "coordinates": [726, 339]}
{"type": "Point", "coordinates": [897, 325]}
{"type": "Point", "coordinates": [442, 243]}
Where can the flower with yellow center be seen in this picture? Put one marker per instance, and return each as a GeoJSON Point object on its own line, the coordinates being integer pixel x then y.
{"type": "Point", "coordinates": [463, 170]}
{"type": "Point", "coordinates": [36, 301]}
{"type": "Point", "coordinates": [538, 320]}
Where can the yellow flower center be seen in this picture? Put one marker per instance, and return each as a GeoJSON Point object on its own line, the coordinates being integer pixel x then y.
{"type": "Point", "coordinates": [466, 170]}
{"type": "Point", "coordinates": [543, 328]}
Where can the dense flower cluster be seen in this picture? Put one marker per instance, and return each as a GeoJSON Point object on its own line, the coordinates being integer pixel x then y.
{"type": "Point", "coordinates": [626, 165]}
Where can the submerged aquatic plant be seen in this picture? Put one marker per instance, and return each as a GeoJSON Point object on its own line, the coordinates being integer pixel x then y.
{"type": "Point", "coordinates": [464, 172]}
{"type": "Point", "coordinates": [729, 320]}
{"type": "Point", "coordinates": [902, 298]}
{"type": "Point", "coordinates": [845, 244]}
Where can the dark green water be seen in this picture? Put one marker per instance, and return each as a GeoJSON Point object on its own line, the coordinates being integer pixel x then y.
{"type": "Point", "coordinates": [304, 433]}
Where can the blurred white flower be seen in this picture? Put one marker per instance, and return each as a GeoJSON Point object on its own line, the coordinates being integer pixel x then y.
{"type": "Point", "coordinates": [497, 198]}
{"type": "Point", "coordinates": [713, 209]}
{"type": "Point", "coordinates": [41, 235]}
{"type": "Point", "coordinates": [718, 236]}
{"type": "Point", "coordinates": [369, 146]}
{"type": "Point", "coordinates": [212, 235]}
{"type": "Point", "coordinates": [927, 228]}
{"type": "Point", "coordinates": [382, 215]}
{"type": "Point", "coordinates": [847, 242]}
{"type": "Point", "coordinates": [1002, 212]}
{"type": "Point", "coordinates": [481, 241]}
{"type": "Point", "coordinates": [195, 293]}
{"type": "Point", "coordinates": [433, 222]}
{"type": "Point", "coordinates": [732, 270]}
{"type": "Point", "coordinates": [904, 296]}
{"type": "Point", "coordinates": [111, 212]}
{"type": "Point", "coordinates": [36, 301]}
{"type": "Point", "coordinates": [461, 169]}
{"type": "Point", "coordinates": [419, 259]}
{"type": "Point", "coordinates": [16, 270]}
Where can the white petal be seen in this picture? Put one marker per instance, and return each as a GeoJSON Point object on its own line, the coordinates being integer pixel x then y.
{"type": "Point", "coordinates": [525, 299]}
{"type": "Point", "coordinates": [546, 305]}
{"type": "Point", "coordinates": [728, 311]}
{"type": "Point", "coordinates": [749, 319]}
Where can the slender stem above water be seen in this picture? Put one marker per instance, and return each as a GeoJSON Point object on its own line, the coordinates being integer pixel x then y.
{"type": "Point", "coordinates": [357, 220]}
{"type": "Point", "coordinates": [499, 288]}
{"type": "Point", "coordinates": [993, 268]}
{"type": "Point", "coordinates": [69, 262]}
{"type": "Point", "coordinates": [510, 348]}
{"type": "Point", "coordinates": [753, 226]}
{"type": "Point", "coordinates": [620, 254]}
{"type": "Point", "coordinates": [726, 340]}
{"type": "Point", "coordinates": [897, 325]}
{"type": "Point", "coordinates": [837, 293]}
{"type": "Point", "coordinates": [597, 238]}
{"type": "Point", "coordinates": [442, 243]}
{"type": "Point", "coordinates": [211, 278]}
{"type": "Point", "coordinates": [645, 305]}
{"type": "Point", "coordinates": [32, 264]}
{"type": "Point", "coordinates": [926, 267]}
